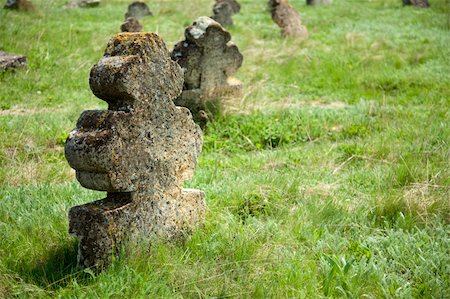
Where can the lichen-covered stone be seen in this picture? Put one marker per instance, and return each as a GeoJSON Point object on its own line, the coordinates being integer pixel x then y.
{"type": "Point", "coordinates": [417, 3]}
{"type": "Point", "coordinates": [209, 60]}
{"type": "Point", "coordinates": [138, 9]}
{"type": "Point", "coordinates": [131, 25]}
{"type": "Point", "coordinates": [140, 151]}
{"type": "Point", "coordinates": [11, 61]}
{"type": "Point", "coordinates": [287, 18]}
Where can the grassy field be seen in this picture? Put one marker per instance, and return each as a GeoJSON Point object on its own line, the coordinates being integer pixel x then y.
{"type": "Point", "coordinates": [329, 177]}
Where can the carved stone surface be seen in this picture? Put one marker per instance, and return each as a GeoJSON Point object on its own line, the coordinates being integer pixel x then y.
{"type": "Point", "coordinates": [318, 2]}
{"type": "Point", "coordinates": [418, 3]}
{"type": "Point", "coordinates": [137, 9]}
{"type": "Point", "coordinates": [287, 18]}
{"type": "Point", "coordinates": [208, 59]}
{"type": "Point", "coordinates": [131, 25]}
{"type": "Point", "coordinates": [140, 151]}
{"type": "Point", "coordinates": [19, 4]}
{"type": "Point", "coordinates": [11, 61]}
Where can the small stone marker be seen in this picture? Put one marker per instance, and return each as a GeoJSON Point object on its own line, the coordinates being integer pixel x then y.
{"type": "Point", "coordinates": [131, 25]}
{"type": "Point", "coordinates": [11, 61]}
{"type": "Point", "coordinates": [138, 9]}
{"type": "Point", "coordinates": [140, 151]}
{"type": "Point", "coordinates": [318, 2]}
{"type": "Point", "coordinates": [287, 18]}
{"type": "Point", "coordinates": [82, 3]}
{"type": "Point", "coordinates": [222, 13]}
{"type": "Point", "coordinates": [208, 59]}
{"type": "Point", "coordinates": [19, 4]}
{"type": "Point", "coordinates": [417, 3]}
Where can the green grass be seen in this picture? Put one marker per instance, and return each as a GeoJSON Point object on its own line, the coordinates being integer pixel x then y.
{"type": "Point", "coordinates": [329, 177]}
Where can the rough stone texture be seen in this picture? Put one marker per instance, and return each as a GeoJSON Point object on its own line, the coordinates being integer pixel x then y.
{"type": "Point", "coordinates": [138, 9]}
{"type": "Point", "coordinates": [318, 2]}
{"type": "Point", "coordinates": [235, 6]}
{"type": "Point", "coordinates": [287, 18]}
{"type": "Point", "coordinates": [11, 61]}
{"type": "Point", "coordinates": [222, 13]}
{"type": "Point", "coordinates": [223, 10]}
{"type": "Point", "coordinates": [19, 4]}
{"type": "Point", "coordinates": [418, 3]}
{"type": "Point", "coordinates": [82, 3]}
{"type": "Point", "coordinates": [208, 59]}
{"type": "Point", "coordinates": [131, 25]}
{"type": "Point", "coordinates": [140, 151]}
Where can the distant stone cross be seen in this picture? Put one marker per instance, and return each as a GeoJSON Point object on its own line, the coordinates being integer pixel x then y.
{"type": "Point", "coordinates": [140, 151]}
{"type": "Point", "coordinates": [208, 59]}
{"type": "Point", "coordinates": [223, 11]}
{"type": "Point", "coordinates": [287, 18]}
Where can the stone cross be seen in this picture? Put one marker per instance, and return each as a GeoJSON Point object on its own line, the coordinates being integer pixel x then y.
{"type": "Point", "coordinates": [140, 151]}
{"type": "Point", "coordinates": [287, 18]}
{"type": "Point", "coordinates": [138, 9]}
{"type": "Point", "coordinates": [223, 11]}
{"type": "Point", "coordinates": [208, 59]}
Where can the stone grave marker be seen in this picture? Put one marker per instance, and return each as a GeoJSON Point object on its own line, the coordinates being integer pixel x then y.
{"type": "Point", "coordinates": [209, 60]}
{"type": "Point", "coordinates": [140, 151]}
{"type": "Point", "coordinates": [417, 3]}
{"type": "Point", "coordinates": [287, 18]}
{"type": "Point", "coordinates": [131, 25]}
{"type": "Point", "coordinates": [222, 13]}
{"type": "Point", "coordinates": [11, 61]}
{"type": "Point", "coordinates": [223, 10]}
{"type": "Point", "coordinates": [318, 2]}
{"type": "Point", "coordinates": [138, 9]}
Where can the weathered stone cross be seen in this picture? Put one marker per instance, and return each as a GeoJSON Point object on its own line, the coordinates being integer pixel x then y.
{"type": "Point", "coordinates": [208, 59]}
{"type": "Point", "coordinates": [140, 151]}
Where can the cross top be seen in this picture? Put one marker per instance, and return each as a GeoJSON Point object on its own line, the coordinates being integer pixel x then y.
{"type": "Point", "coordinates": [207, 55]}
{"type": "Point", "coordinates": [143, 142]}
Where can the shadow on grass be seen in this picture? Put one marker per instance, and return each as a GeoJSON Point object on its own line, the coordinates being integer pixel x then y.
{"type": "Point", "coordinates": [56, 269]}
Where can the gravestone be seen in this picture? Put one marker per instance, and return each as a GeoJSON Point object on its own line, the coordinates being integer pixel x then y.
{"type": "Point", "coordinates": [223, 10]}
{"type": "Point", "coordinates": [138, 9]}
{"type": "Point", "coordinates": [131, 25]}
{"type": "Point", "coordinates": [19, 4]}
{"type": "Point", "coordinates": [222, 13]}
{"type": "Point", "coordinates": [208, 59]}
{"type": "Point", "coordinates": [140, 151]}
{"type": "Point", "coordinates": [82, 3]}
{"type": "Point", "coordinates": [11, 61]}
{"type": "Point", "coordinates": [235, 6]}
{"type": "Point", "coordinates": [318, 2]}
{"type": "Point", "coordinates": [287, 18]}
{"type": "Point", "coordinates": [417, 3]}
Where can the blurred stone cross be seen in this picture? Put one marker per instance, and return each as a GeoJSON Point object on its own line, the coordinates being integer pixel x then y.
{"type": "Point", "coordinates": [140, 151]}
{"type": "Point", "coordinates": [209, 59]}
